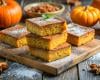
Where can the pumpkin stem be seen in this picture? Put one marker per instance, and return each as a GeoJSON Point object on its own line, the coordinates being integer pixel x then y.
{"type": "Point", "coordinates": [85, 8]}
{"type": "Point", "coordinates": [2, 2]}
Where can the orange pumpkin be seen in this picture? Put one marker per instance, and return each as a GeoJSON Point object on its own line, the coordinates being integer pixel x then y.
{"type": "Point", "coordinates": [10, 13]}
{"type": "Point", "coordinates": [96, 4]}
{"type": "Point", "coordinates": [85, 15]}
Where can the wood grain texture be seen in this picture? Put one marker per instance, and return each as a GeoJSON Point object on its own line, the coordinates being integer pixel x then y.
{"type": "Point", "coordinates": [70, 74]}
{"type": "Point", "coordinates": [84, 73]}
{"type": "Point", "coordinates": [21, 55]}
{"type": "Point", "coordinates": [18, 71]}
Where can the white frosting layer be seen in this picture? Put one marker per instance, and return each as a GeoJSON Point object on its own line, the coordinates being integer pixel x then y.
{"type": "Point", "coordinates": [77, 29]}
{"type": "Point", "coordinates": [42, 22]}
{"type": "Point", "coordinates": [17, 32]}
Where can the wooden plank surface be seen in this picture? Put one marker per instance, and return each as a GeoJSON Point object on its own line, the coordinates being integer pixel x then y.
{"type": "Point", "coordinates": [18, 71]}
{"type": "Point", "coordinates": [21, 55]}
{"type": "Point", "coordinates": [84, 70]}
{"type": "Point", "coordinates": [70, 74]}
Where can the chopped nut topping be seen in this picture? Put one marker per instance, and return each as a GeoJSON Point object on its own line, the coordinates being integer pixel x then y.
{"type": "Point", "coordinates": [3, 66]}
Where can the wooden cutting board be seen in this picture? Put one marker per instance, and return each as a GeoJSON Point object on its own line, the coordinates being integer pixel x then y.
{"type": "Point", "coordinates": [22, 55]}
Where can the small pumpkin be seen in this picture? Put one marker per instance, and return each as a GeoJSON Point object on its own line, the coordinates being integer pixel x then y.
{"type": "Point", "coordinates": [85, 15]}
{"type": "Point", "coordinates": [96, 4]}
{"type": "Point", "coordinates": [10, 13]}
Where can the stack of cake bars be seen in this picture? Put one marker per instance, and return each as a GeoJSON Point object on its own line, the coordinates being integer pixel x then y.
{"type": "Point", "coordinates": [47, 38]}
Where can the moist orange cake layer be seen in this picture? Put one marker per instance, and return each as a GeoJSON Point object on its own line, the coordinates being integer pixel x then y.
{"type": "Point", "coordinates": [13, 41]}
{"type": "Point", "coordinates": [52, 55]}
{"type": "Point", "coordinates": [47, 42]}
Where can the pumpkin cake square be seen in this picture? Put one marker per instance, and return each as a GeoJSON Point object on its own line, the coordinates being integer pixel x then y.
{"type": "Point", "coordinates": [78, 35]}
{"type": "Point", "coordinates": [46, 27]}
{"type": "Point", "coordinates": [52, 55]}
{"type": "Point", "coordinates": [46, 42]}
{"type": "Point", "coordinates": [14, 36]}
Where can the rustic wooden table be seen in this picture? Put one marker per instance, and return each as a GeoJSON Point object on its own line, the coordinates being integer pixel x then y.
{"type": "Point", "coordinates": [79, 72]}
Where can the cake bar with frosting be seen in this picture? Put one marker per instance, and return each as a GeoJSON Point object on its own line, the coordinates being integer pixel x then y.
{"type": "Point", "coordinates": [46, 27]}
{"type": "Point", "coordinates": [78, 35]}
{"type": "Point", "coordinates": [14, 36]}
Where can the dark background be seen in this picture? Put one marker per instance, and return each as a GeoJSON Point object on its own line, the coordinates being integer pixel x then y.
{"type": "Point", "coordinates": [24, 2]}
